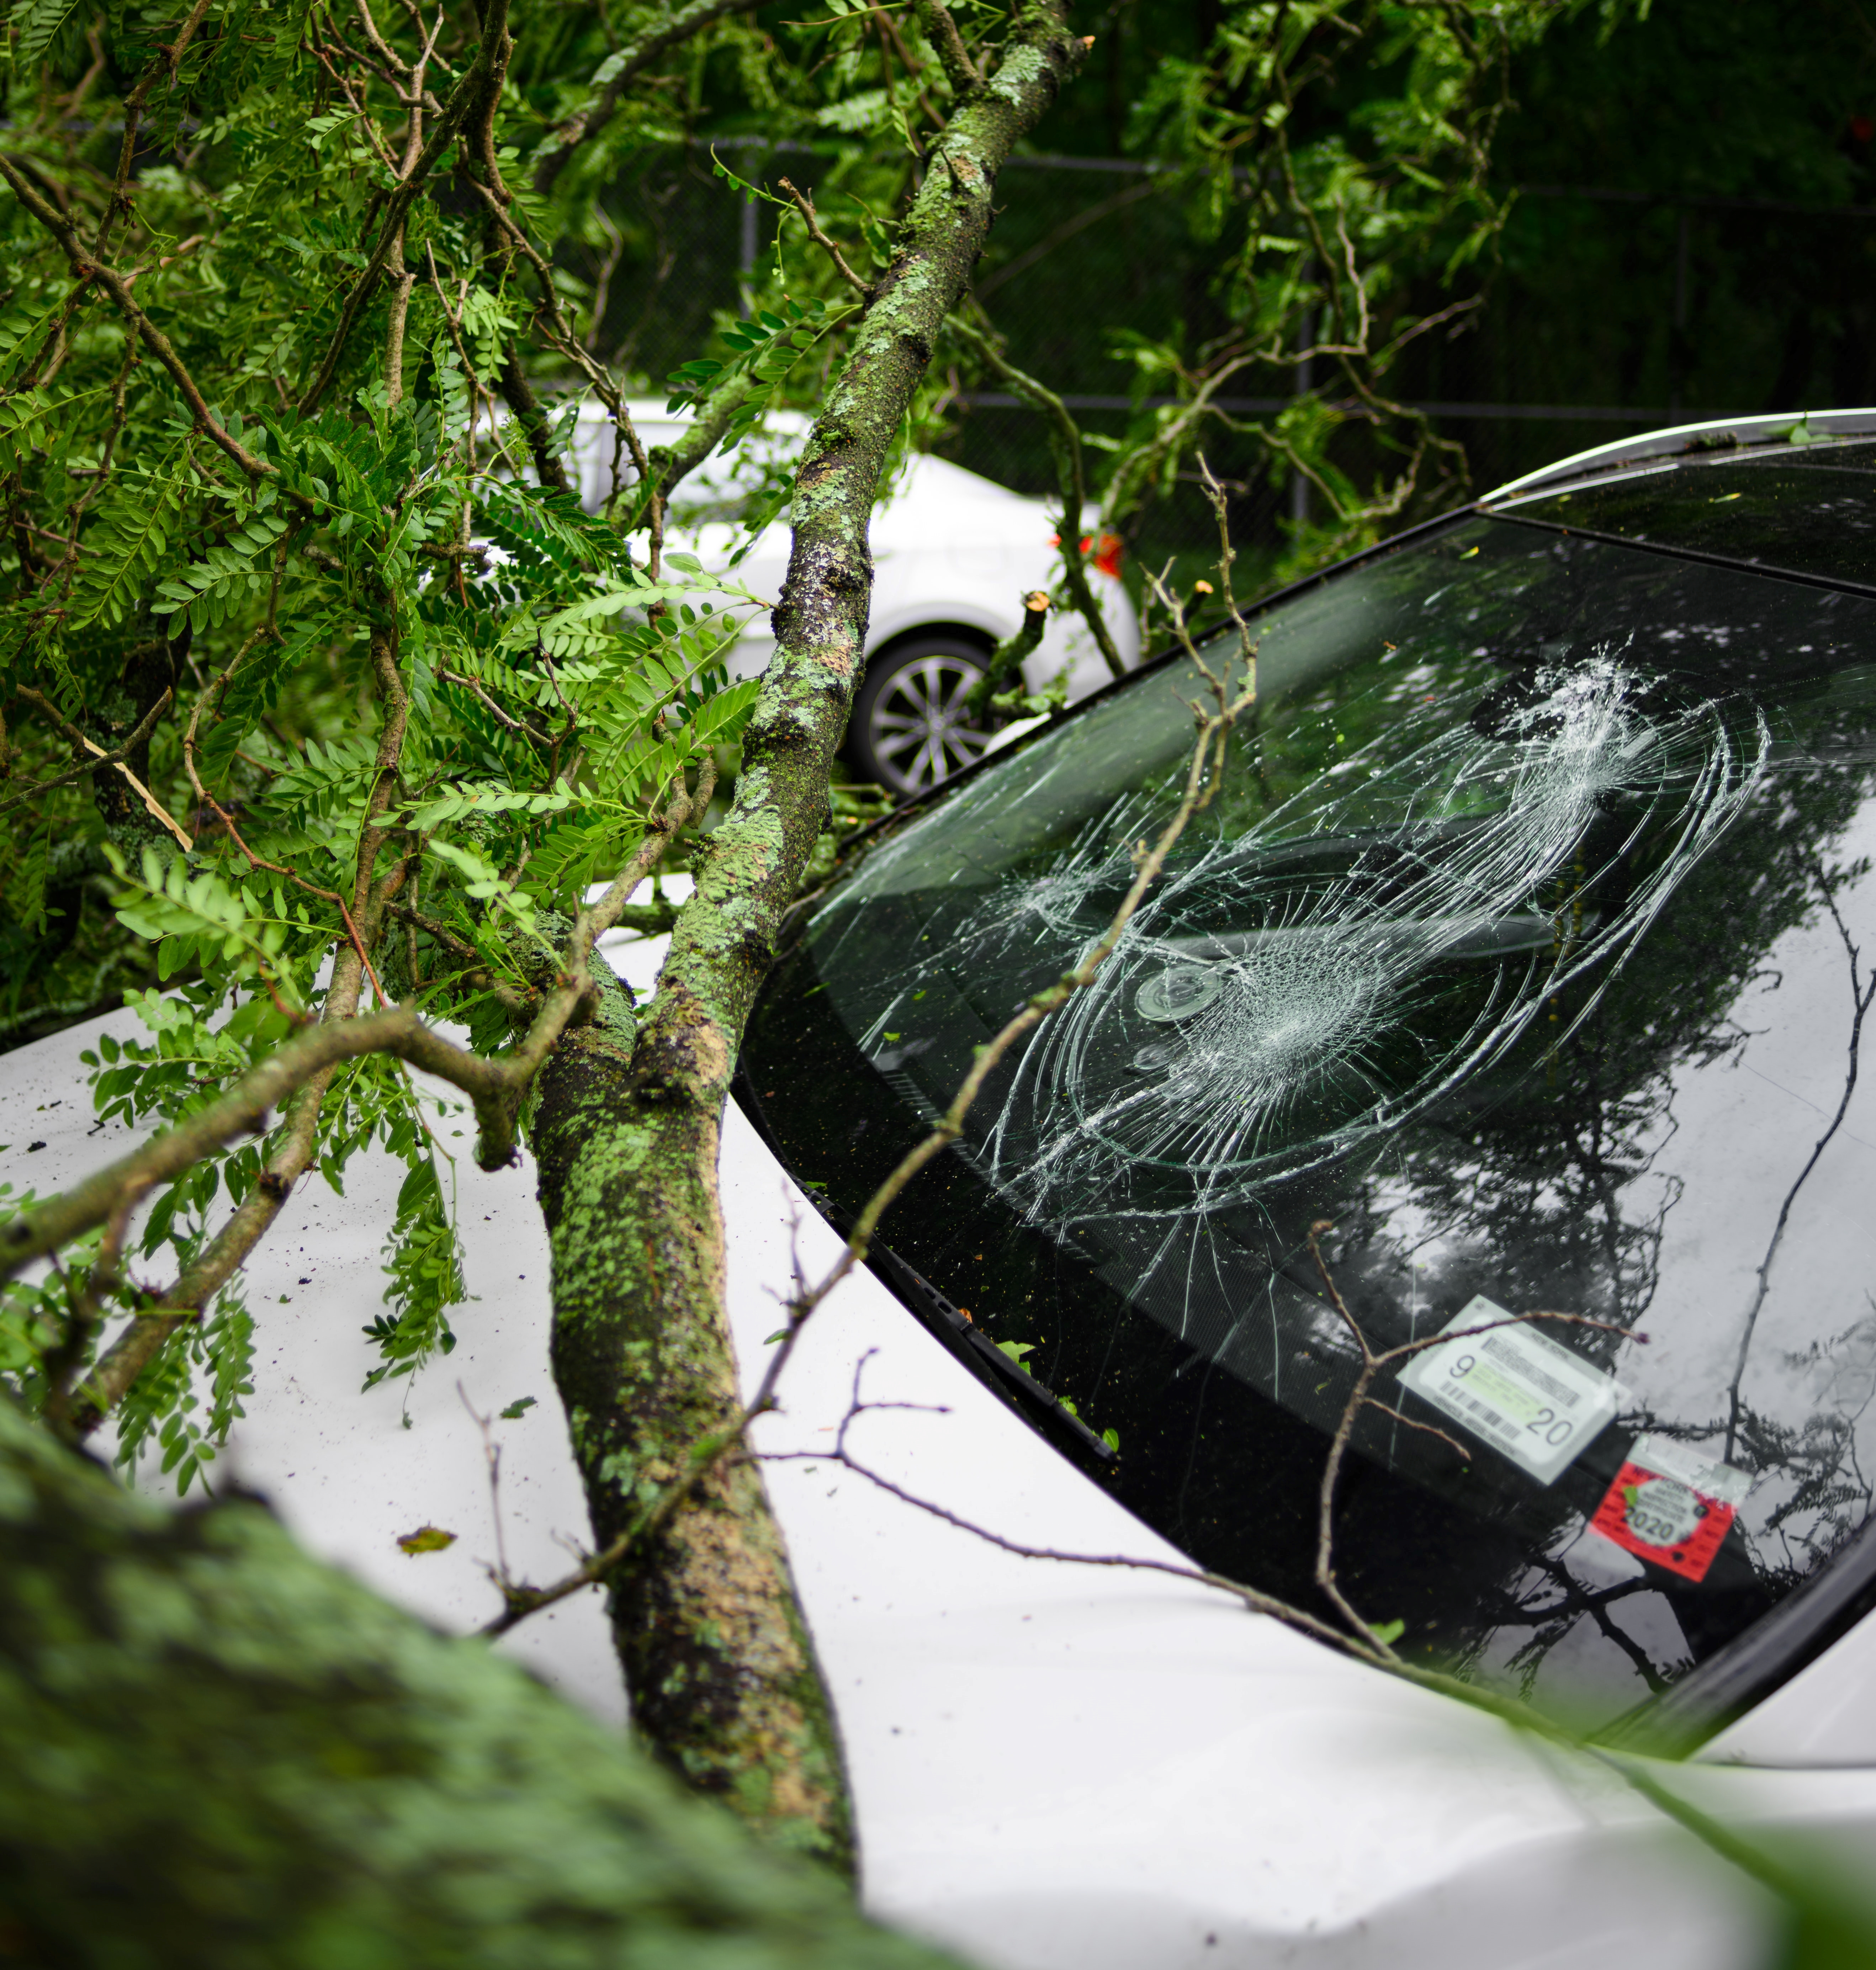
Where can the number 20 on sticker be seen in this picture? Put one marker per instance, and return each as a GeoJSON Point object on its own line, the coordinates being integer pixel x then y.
{"type": "Point", "coordinates": [1546, 1424]}
{"type": "Point", "coordinates": [1671, 1505]}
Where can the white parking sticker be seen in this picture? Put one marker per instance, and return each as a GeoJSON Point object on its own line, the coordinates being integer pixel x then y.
{"type": "Point", "coordinates": [1531, 1399]}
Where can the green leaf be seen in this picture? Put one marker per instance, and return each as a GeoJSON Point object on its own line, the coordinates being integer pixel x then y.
{"type": "Point", "coordinates": [125, 542]}
{"type": "Point", "coordinates": [726, 714]}
{"type": "Point", "coordinates": [36, 24]}
{"type": "Point", "coordinates": [426, 1539]}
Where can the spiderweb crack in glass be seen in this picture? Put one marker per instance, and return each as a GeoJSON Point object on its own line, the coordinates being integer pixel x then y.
{"type": "Point", "coordinates": [1510, 946]}
{"type": "Point", "coordinates": [1231, 1038]}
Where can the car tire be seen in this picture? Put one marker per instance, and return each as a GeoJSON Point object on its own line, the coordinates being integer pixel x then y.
{"type": "Point", "coordinates": [908, 731]}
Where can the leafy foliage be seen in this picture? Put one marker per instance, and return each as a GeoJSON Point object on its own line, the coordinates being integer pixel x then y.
{"type": "Point", "coordinates": [1335, 157]}
{"type": "Point", "coordinates": [370, 661]}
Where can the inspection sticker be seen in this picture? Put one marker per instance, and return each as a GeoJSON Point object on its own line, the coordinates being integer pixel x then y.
{"type": "Point", "coordinates": [1673, 1506]}
{"type": "Point", "coordinates": [1516, 1389]}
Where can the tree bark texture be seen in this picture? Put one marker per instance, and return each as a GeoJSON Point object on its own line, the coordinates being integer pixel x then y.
{"type": "Point", "coordinates": [220, 1754]}
{"type": "Point", "coordinates": [721, 1674]}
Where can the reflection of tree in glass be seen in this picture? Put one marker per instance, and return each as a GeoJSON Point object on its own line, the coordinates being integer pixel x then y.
{"type": "Point", "coordinates": [1533, 1189]}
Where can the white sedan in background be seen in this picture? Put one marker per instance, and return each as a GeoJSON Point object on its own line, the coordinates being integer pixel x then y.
{"type": "Point", "coordinates": [953, 555]}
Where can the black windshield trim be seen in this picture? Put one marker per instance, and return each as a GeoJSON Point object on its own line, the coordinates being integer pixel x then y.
{"type": "Point", "coordinates": [1761, 1660]}
{"type": "Point", "coordinates": [1770, 571]}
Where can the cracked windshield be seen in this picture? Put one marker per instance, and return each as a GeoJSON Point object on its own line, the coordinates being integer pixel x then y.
{"type": "Point", "coordinates": [1526, 945]}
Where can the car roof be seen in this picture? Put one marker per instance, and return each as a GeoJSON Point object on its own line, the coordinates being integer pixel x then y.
{"type": "Point", "coordinates": [1716, 434]}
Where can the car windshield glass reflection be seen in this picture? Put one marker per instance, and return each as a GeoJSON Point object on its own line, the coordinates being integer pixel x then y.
{"type": "Point", "coordinates": [1806, 508]}
{"type": "Point", "coordinates": [1528, 943]}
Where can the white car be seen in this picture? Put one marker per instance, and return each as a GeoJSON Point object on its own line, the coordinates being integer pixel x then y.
{"type": "Point", "coordinates": [953, 555]}
{"type": "Point", "coordinates": [1528, 946]}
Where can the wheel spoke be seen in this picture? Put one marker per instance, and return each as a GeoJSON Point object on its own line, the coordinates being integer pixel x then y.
{"type": "Point", "coordinates": [917, 727]}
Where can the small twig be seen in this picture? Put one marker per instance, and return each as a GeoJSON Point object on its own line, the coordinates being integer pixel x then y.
{"type": "Point", "coordinates": [1065, 442]}
{"type": "Point", "coordinates": [804, 205]}
{"type": "Point", "coordinates": [624, 69]}
{"type": "Point", "coordinates": [492, 1455]}
{"type": "Point", "coordinates": [114, 758]}
{"type": "Point", "coordinates": [1009, 655]}
{"type": "Point", "coordinates": [475, 689]}
{"type": "Point", "coordinates": [482, 80]}
{"type": "Point", "coordinates": [101, 757]}
{"type": "Point", "coordinates": [1256, 1601]}
{"type": "Point", "coordinates": [1413, 1422]}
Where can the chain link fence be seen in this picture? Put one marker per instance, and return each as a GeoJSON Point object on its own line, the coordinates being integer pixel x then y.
{"type": "Point", "coordinates": [1607, 311]}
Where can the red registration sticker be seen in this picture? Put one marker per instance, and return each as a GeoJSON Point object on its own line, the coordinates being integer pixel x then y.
{"type": "Point", "coordinates": [1671, 1505]}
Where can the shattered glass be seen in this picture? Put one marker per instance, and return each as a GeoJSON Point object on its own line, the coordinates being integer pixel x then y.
{"type": "Point", "coordinates": [1523, 942]}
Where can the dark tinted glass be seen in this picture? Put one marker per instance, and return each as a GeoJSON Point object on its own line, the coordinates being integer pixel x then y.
{"type": "Point", "coordinates": [1524, 944]}
{"type": "Point", "coordinates": [1810, 508]}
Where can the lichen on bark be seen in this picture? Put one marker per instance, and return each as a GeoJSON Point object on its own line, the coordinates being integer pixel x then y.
{"type": "Point", "coordinates": [721, 1674]}
{"type": "Point", "coordinates": [222, 1753]}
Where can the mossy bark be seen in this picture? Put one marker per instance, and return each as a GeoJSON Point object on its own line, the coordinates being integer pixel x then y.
{"type": "Point", "coordinates": [722, 1678]}
{"type": "Point", "coordinates": [220, 1754]}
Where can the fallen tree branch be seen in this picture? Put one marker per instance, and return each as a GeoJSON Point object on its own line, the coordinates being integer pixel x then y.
{"type": "Point", "coordinates": [625, 1137]}
{"type": "Point", "coordinates": [1064, 444]}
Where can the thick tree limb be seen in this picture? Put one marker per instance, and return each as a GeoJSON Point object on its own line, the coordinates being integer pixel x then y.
{"type": "Point", "coordinates": [722, 1676]}
{"type": "Point", "coordinates": [262, 1763]}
